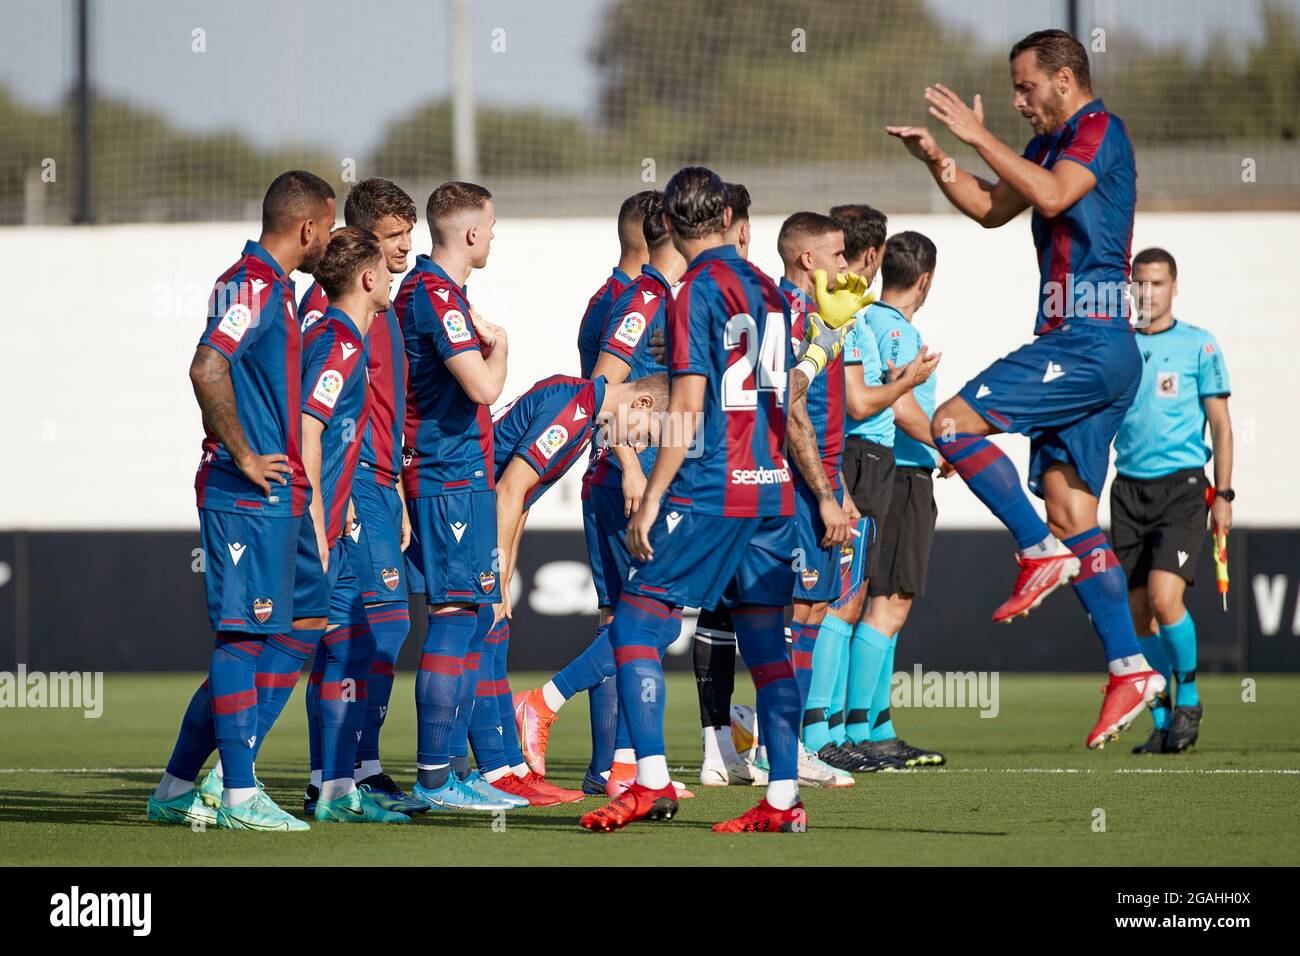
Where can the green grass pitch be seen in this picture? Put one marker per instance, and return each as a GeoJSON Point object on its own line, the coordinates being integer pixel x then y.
{"type": "Point", "coordinates": [1019, 789]}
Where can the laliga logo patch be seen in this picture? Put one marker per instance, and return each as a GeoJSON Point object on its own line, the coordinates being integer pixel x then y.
{"type": "Point", "coordinates": [552, 440]}
{"type": "Point", "coordinates": [391, 578]}
{"type": "Point", "coordinates": [457, 330]}
{"type": "Point", "coordinates": [631, 328]}
{"type": "Point", "coordinates": [236, 321]}
{"type": "Point", "coordinates": [310, 319]}
{"type": "Point", "coordinates": [262, 609]}
{"type": "Point", "coordinates": [487, 580]}
{"type": "Point", "coordinates": [328, 387]}
{"type": "Point", "coordinates": [810, 578]}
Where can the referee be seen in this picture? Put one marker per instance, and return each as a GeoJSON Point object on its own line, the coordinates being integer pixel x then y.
{"type": "Point", "coordinates": [1158, 499]}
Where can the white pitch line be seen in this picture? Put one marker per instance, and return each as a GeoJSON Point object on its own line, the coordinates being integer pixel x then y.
{"type": "Point", "coordinates": [82, 769]}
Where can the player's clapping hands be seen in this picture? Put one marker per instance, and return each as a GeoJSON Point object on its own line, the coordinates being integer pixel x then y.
{"type": "Point", "coordinates": [964, 122]}
{"type": "Point", "coordinates": [490, 335]}
{"type": "Point", "coordinates": [915, 372]}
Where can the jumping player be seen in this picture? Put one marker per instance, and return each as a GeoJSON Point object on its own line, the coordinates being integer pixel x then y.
{"type": "Point", "coordinates": [1069, 389]}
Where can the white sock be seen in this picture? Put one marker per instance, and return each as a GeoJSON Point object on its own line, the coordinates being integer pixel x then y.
{"type": "Point", "coordinates": [1044, 549]}
{"type": "Point", "coordinates": [712, 752]}
{"type": "Point", "coordinates": [492, 776]}
{"type": "Point", "coordinates": [333, 789]}
{"type": "Point", "coordinates": [783, 794]}
{"type": "Point", "coordinates": [1122, 666]}
{"type": "Point", "coordinates": [169, 787]}
{"type": "Point", "coordinates": [551, 694]}
{"type": "Point", "coordinates": [626, 755]}
{"type": "Point", "coordinates": [520, 770]}
{"type": "Point", "coordinates": [217, 769]}
{"type": "Point", "coordinates": [315, 779]}
{"type": "Point", "coordinates": [369, 768]}
{"type": "Point", "coordinates": [604, 775]}
{"type": "Point", "coordinates": [652, 772]}
{"type": "Point", "coordinates": [233, 797]}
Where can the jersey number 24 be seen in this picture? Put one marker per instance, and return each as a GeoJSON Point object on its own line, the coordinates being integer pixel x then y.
{"type": "Point", "coordinates": [763, 359]}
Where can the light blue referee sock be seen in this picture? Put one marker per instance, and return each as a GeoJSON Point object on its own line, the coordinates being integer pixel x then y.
{"type": "Point", "coordinates": [867, 655]}
{"type": "Point", "coordinates": [882, 725]}
{"type": "Point", "coordinates": [830, 650]}
{"type": "Point", "coordinates": [1180, 644]}
{"type": "Point", "coordinates": [1154, 649]}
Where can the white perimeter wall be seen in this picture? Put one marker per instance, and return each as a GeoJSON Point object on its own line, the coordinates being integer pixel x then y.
{"type": "Point", "coordinates": [99, 428]}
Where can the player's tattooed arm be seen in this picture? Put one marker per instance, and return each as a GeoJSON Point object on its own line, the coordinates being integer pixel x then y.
{"type": "Point", "coordinates": [210, 376]}
{"type": "Point", "coordinates": [801, 443]}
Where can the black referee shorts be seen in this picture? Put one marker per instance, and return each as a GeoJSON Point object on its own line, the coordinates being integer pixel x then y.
{"type": "Point", "coordinates": [905, 537]}
{"type": "Point", "coordinates": [869, 479]}
{"type": "Point", "coordinates": [1158, 524]}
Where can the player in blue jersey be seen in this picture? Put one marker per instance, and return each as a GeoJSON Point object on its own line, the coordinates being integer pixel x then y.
{"type": "Point", "coordinates": [456, 367]}
{"type": "Point", "coordinates": [1069, 389]}
{"type": "Point", "coordinates": [727, 493]}
{"type": "Point", "coordinates": [1158, 497]}
{"type": "Point", "coordinates": [354, 275]}
{"type": "Point", "coordinates": [265, 584]}
{"type": "Point", "coordinates": [612, 490]}
{"type": "Point", "coordinates": [632, 255]}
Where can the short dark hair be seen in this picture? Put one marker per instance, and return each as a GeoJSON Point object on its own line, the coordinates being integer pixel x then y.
{"type": "Point", "coordinates": [652, 226]}
{"type": "Point", "coordinates": [694, 201]}
{"type": "Point", "coordinates": [451, 198]}
{"type": "Point", "coordinates": [908, 256]}
{"type": "Point", "coordinates": [738, 201]}
{"type": "Point", "coordinates": [350, 250]}
{"type": "Point", "coordinates": [864, 227]}
{"type": "Point", "coordinates": [631, 215]}
{"type": "Point", "coordinates": [293, 197]}
{"type": "Point", "coordinates": [1054, 50]}
{"type": "Point", "coordinates": [371, 200]}
{"type": "Point", "coordinates": [1156, 254]}
{"type": "Point", "coordinates": [801, 226]}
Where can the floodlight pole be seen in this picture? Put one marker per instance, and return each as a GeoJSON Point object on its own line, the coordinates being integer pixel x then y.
{"type": "Point", "coordinates": [83, 213]}
{"type": "Point", "coordinates": [464, 137]}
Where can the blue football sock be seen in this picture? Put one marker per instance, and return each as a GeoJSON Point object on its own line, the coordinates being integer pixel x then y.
{"type": "Point", "coordinates": [882, 727]}
{"type": "Point", "coordinates": [486, 736]}
{"type": "Point", "coordinates": [805, 645]}
{"type": "Point", "coordinates": [603, 699]}
{"type": "Point", "coordinates": [499, 640]}
{"type": "Point", "coordinates": [277, 675]}
{"type": "Point", "coordinates": [468, 688]}
{"type": "Point", "coordinates": [1153, 648]}
{"type": "Point", "coordinates": [636, 632]}
{"type": "Point", "coordinates": [589, 668]}
{"type": "Point", "coordinates": [197, 738]}
{"type": "Point", "coordinates": [1103, 592]}
{"type": "Point", "coordinates": [232, 681]}
{"type": "Point", "coordinates": [832, 644]}
{"type": "Point", "coordinates": [760, 638]}
{"type": "Point", "coordinates": [348, 651]}
{"type": "Point", "coordinates": [994, 480]}
{"type": "Point", "coordinates": [839, 700]}
{"type": "Point", "coordinates": [868, 651]}
{"type": "Point", "coordinates": [1180, 645]}
{"type": "Point", "coordinates": [437, 684]}
{"type": "Point", "coordinates": [390, 623]}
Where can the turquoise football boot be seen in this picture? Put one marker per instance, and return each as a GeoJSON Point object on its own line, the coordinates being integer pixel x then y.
{"type": "Point", "coordinates": [455, 795]}
{"type": "Point", "coordinates": [480, 785]}
{"type": "Point", "coordinates": [356, 806]}
{"type": "Point", "coordinates": [258, 812]}
{"type": "Point", "coordinates": [189, 809]}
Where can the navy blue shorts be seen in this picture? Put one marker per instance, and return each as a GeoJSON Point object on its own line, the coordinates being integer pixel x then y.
{"type": "Point", "coordinates": [816, 568]}
{"type": "Point", "coordinates": [260, 573]}
{"type": "Point", "coordinates": [697, 556]}
{"type": "Point", "coordinates": [605, 525]}
{"type": "Point", "coordinates": [1068, 391]}
{"type": "Point", "coordinates": [454, 546]}
{"type": "Point", "coordinates": [379, 511]}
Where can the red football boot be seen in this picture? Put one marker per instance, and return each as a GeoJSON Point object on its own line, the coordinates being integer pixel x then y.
{"type": "Point", "coordinates": [533, 720]}
{"type": "Point", "coordinates": [621, 776]}
{"type": "Point", "coordinates": [556, 794]}
{"type": "Point", "coordinates": [634, 803]}
{"type": "Point", "coordinates": [766, 818]}
{"type": "Point", "coordinates": [1039, 577]}
{"type": "Point", "coordinates": [1126, 697]}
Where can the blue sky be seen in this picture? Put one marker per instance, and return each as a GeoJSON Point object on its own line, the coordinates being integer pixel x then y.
{"type": "Point", "coordinates": [308, 55]}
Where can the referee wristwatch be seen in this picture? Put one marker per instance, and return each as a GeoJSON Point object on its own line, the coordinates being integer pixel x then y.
{"type": "Point", "coordinates": [1227, 494]}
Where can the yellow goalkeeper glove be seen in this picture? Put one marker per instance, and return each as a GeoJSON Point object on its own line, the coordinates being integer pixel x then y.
{"type": "Point", "coordinates": [837, 306]}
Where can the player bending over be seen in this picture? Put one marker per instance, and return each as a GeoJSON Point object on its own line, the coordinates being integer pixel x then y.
{"type": "Point", "coordinates": [1069, 389]}
{"type": "Point", "coordinates": [1158, 498]}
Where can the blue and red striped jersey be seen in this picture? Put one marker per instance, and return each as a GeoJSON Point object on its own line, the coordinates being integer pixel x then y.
{"type": "Point", "coordinates": [448, 436]}
{"type": "Point", "coordinates": [639, 311]}
{"type": "Point", "coordinates": [730, 323]}
{"type": "Point", "coordinates": [548, 426]}
{"type": "Point", "coordinates": [593, 320]}
{"type": "Point", "coordinates": [381, 443]}
{"type": "Point", "coordinates": [252, 322]}
{"type": "Point", "coordinates": [334, 391]}
{"type": "Point", "coordinates": [826, 405]}
{"type": "Point", "coordinates": [1083, 253]}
